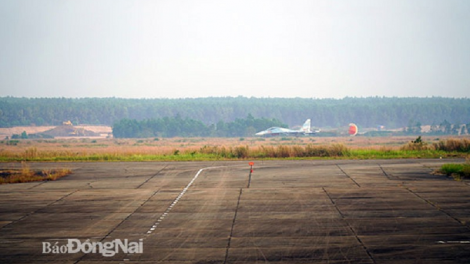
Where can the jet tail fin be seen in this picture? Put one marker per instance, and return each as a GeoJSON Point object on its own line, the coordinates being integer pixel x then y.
{"type": "Point", "coordinates": [306, 127]}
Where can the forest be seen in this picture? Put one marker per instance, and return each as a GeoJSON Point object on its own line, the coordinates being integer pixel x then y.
{"type": "Point", "coordinates": [247, 127]}
{"type": "Point", "coordinates": [391, 112]}
{"type": "Point", "coordinates": [177, 126]}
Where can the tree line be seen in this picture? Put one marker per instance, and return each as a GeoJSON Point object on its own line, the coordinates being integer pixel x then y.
{"type": "Point", "coordinates": [187, 127]}
{"type": "Point", "coordinates": [391, 112]}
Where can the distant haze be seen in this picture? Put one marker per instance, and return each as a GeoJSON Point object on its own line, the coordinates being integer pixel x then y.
{"type": "Point", "coordinates": [260, 48]}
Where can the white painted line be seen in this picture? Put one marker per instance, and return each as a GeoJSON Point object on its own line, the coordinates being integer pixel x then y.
{"type": "Point", "coordinates": [179, 197]}
{"type": "Point", "coordinates": [454, 242]}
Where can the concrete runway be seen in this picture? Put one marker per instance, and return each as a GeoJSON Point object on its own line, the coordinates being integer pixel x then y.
{"type": "Point", "coordinates": [374, 211]}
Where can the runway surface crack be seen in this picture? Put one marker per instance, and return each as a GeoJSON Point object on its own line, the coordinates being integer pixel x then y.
{"type": "Point", "coordinates": [437, 207]}
{"type": "Point", "coordinates": [118, 225]}
{"type": "Point", "coordinates": [386, 174]}
{"type": "Point", "coordinates": [158, 172]}
{"type": "Point", "coordinates": [347, 175]}
{"type": "Point", "coordinates": [29, 214]}
{"type": "Point", "coordinates": [350, 227]}
{"type": "Point", "coordinates": [233, 225]}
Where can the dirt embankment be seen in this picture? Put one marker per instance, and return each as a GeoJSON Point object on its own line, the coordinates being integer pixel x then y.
{"type": "Point", "coordinates": [97, 131]}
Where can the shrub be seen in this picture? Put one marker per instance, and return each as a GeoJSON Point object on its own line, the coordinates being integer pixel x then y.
{"type": "Point", "coordinates": [13, 142]}
{"type": "Point", "coordinates": [462, 145]}
{"type": "Point", "coordinates": [30, 153]}
{"type": "Point", "coordinates": [417, 144]}
{"type": "Point", "coordinates": [282, 151]}
{"type": "Point", "coordinates": [316, 151]}
{"type": "Point", "coordinates": [466, 170]}
{"type": "Point", "coordinates": [452, 168]}
{"type": "Point", "coordinates": [456, 170]}
{"type": "Point", "coordinates": [338, 150]}
{"type": "Point", "coordinates": [240, 152]}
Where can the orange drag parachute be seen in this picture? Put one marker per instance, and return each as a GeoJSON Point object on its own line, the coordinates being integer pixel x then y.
{"type": "Point", "coordinates": [352, 129]}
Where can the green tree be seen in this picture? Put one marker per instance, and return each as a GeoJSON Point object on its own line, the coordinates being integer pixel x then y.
{"type": "Point", "coordinates": [446, 126]}
{"type": "Point", "coordinates": [365, 112]}
{"type": "Point", "coordinates": [413, 127]}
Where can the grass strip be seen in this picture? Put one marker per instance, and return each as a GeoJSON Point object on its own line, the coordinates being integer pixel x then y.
{"type": "Point", "coordinates": [350, 154]}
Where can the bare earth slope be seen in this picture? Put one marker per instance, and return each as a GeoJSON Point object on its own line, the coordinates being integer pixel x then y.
{"type": "Point", "coordinates": [103, 131]}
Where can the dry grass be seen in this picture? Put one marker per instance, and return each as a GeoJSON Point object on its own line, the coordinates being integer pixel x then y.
{"type": "Point", "coordinates": [448, 145]}
{"type": "Point", "coordinates": [25, 174]}
{"type": "Point", "coordinates": [225, 148]}
{"type": "Point", "coordinates": [453, 144]}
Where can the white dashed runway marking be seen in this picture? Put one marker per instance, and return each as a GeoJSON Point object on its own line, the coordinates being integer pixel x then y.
{"type": "Point", "coordinates": [160, 219]}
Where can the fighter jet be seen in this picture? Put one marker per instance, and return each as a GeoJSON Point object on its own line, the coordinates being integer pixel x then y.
{"type": "Point", "coordinates": [280, 131]}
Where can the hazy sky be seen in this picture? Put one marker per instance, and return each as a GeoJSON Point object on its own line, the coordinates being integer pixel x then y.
{"type": "Point", "coordinates": [260, 48]}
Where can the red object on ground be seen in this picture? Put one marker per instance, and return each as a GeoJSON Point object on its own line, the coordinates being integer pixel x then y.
{"type": "Point", "coordinates": [352, 129]}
